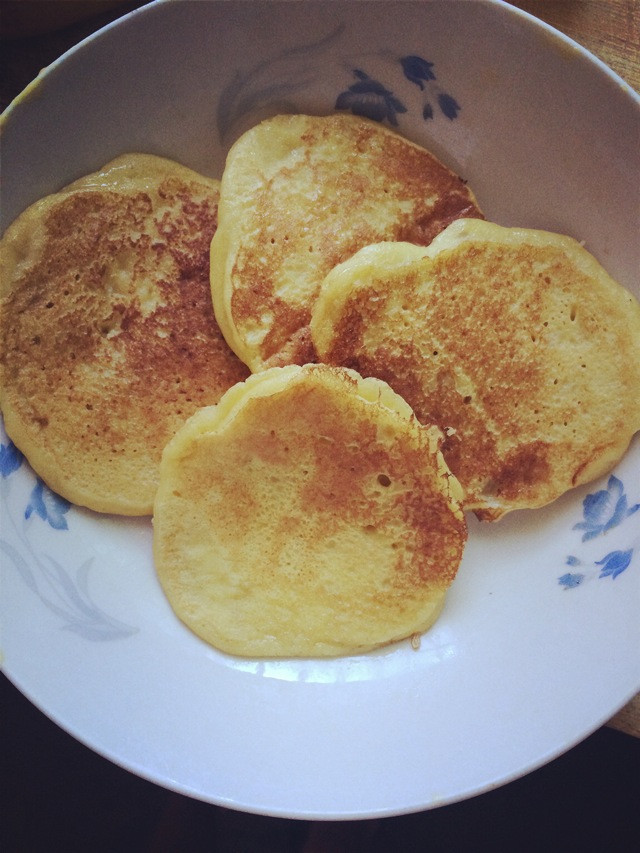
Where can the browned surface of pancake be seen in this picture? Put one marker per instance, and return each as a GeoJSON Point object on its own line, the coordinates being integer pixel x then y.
{"type": "Point", "coordinates": [516, 343]}
{"type": "Point", "coordinates": [109, 341]}
{"type": "Point", "coordinates": [300, 194]}
{"type": "Point", "coordinates": [309, 513]}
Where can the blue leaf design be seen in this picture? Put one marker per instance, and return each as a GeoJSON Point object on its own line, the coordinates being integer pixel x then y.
{"type": "Point", "coordinates": [449, 106]}
{"type": "Point", "coordinates": [570, 581]}
{"type": "Point", "coordinates": [36, 504]}
{"type": "Point", "coordinates": [370, 99]}
{"type": "Point", "coordinates": [427, 111]}
{"type": "Point", "coordinates": [70, 602]}
{"type": "Point", "coordinates": [364, 106]}
{"type": "Point", "coordinates": [601, 511]}
{"type": "Point", "coordinates": [111, 630]}
{"type": "Point", "coordinates": [614, 563]}
{"type": "Point", "coordinates": [594, 506]}
{"type": "Point", "coordinates": [21, 565]}
{"type": "Point", "coordinates": [64, 588]}
{"type": "Point", "coordinates": [619, 513]}
{"type": "Point", "coordinates": [368, 85]}
{"type": "Point", "coordinates": [56, 508]}
{"type": "Point", "coordinates": [416, 69]}
{"type": "Point", "coordinates": [591, 533]}
{"type": "Point", "coordinates": [10, 459]}
{"type": "Point", "coordinates": [272, 82]}
{"type": "Point", "coordinates": [614, 484]}
{"type": "Point", "coordinates": [48, 505]}
{"type": "Point", "coordinates": [617, 495]}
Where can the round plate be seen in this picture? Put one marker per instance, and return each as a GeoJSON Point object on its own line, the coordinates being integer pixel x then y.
{"type": "Point", "coordinates": [537, 645]}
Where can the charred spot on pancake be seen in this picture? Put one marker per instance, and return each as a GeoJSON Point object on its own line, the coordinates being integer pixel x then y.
{"type": "Point", "coordinates": [522, 467]}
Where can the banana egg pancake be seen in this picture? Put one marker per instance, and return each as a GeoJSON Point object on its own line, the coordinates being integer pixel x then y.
{"type": "Point", "coordinates": [308, 514]}
{"type": "Point", "coordinates": [108, 340]}
{"type": "Point", "coordinates": [300, 194]}
{"type": "Point", "coordinates": [515, 342]}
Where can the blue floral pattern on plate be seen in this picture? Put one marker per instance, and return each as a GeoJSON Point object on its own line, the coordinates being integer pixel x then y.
{"type": "Point", "coordinates": [420, 71]}
{"type": "Point", "coordinates": [601, 511]}
{"type": "Point", "coordinates": [48, 505]}
{"type": "Point", "coordinates": [273, 84]}
{"type": "Point", "coordinates": [63, 595]}
{"type": "Point", "coordinates": [417, 70]}
{"type": "Point", "coordinates": [604, 509]}
{"type": "Point", "coordinates": [368, 97]}
{"type": "Point", "coordinates": [10, 459]}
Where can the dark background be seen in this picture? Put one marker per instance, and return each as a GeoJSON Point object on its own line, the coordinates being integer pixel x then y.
{"type": "Point", "coordinates": [56, 794]}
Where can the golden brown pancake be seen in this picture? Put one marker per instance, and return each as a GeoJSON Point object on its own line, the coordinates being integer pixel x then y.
{"type": "Point", "coordinates": [108, 339]}
{"type": "Point", "coordinates": [307, 514]}
{"type": "Point", "coordinates": [515, 342]}
{"type": "Point", "coordinates": [300, 194]}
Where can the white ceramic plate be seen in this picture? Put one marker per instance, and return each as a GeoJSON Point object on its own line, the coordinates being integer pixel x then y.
{"type": "Point", "coordinates": [538, 643]}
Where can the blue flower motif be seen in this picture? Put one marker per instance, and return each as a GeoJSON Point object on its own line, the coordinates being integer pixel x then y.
{"type": "Point", "coordinates": [604, 509]}
{"type": "Point", "coordinates": [48, 505]}
{"type": "Point", "coordinates": [370, 99]}
{"type": "Point", "coordinates": [71, 601]}
{"type": "Point", "coordinates": [449, 106]}
{"type": "Point", "coordinates": [10, 459]}
{"type": "Point", "coordinates": [572, 561]}
{"type": "Point", "coordinates": [416, 69]}
{"type": "Point", "coordinates": [569, 581]}
{"type": "Point", "coordinates": [614, 563]}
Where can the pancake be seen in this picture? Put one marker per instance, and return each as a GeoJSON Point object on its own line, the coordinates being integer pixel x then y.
{"type": "Point", "coordinates": [515, 342]}
{"type": "Point", "coordinates": [300, 194]}
{"type": "Point", "coordinates": [108, 340]}
{"type": "Point", "coordinates": [307, 514]}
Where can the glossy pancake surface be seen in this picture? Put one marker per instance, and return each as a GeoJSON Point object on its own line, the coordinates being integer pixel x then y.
{"type": "Point", "coordinates": [307, 514]}
{"type": "Point", "coordinates": [516, 343]}
{"type": "Point", "coordinates": [300, 194]}
{"type": "Point", "coordinates": [108, 337]}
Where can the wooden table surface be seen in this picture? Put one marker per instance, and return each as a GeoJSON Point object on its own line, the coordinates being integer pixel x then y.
{"type": "Point", "coordinates": [33, 37]}
{"type": "Point", "coordinates": [610, 29]}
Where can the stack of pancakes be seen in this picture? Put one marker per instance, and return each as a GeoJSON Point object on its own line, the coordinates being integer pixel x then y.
{"type": "Point", "coordinates": [409, 361]}
{"type": "Point", "coordinates": [341, 242]}
{"type": "Point", "coordinates": [301, 194]}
